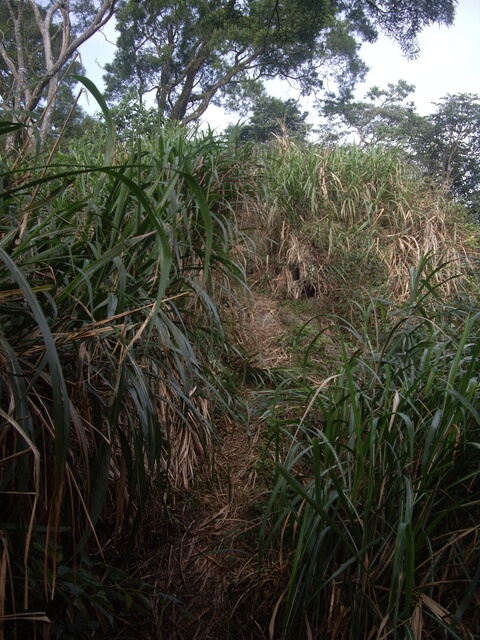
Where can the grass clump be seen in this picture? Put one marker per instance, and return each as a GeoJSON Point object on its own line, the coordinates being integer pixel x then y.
{"type": "Point", "coordinates": [376, 498]}
{"type": "Point", "coordinates": [111, 343]}
{"type": "Point", "coordinates": [342, 224]}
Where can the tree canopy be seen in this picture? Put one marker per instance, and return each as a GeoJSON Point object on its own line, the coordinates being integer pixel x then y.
{"type": "Point", "coordinates": [190, 53]}
{"type": "Point", "coordinates": [274, 117]}
{"type": "Point", "coordinates": [402, 20]}
{"type": "Point", "coordinates": [450, 147]}
{"type": "Point", "coordinates": [383, 116]}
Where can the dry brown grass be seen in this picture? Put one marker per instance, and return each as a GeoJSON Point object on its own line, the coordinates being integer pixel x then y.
{"type": "Point", "coordinates": [209, 562]}
{"type": "Point", "coordinates": [341, 225]}
{"type": "Point", "coordinates": [208, 559]}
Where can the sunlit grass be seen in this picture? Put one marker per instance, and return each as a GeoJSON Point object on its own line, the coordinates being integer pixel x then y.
{"type": "Point", "coordinates": [342, 223]}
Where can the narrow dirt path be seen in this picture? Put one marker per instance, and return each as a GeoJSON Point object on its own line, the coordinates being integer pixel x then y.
{"type": "Point", "coordinates": [211, 564]}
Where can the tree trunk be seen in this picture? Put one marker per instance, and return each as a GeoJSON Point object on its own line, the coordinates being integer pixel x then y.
{"type": "Point", "coordinates": [58, 16]}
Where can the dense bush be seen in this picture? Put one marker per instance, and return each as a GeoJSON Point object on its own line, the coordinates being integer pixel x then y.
{"type": "Point", "coordinates": [122, 270]}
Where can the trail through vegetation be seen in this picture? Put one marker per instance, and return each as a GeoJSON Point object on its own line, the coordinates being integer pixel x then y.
{"type": "Point", "coordinates": [240, 392]}
{"type": "Point", "coordinates": [211, 562]}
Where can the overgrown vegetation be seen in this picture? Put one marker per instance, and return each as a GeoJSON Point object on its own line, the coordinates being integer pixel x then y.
{"type": "Point", "coordinates": [125, 344]}
{"type": "Point", "coordinates": [343, 224]}
{"type": "Point", "coordinates": [376, 497]}
{"type": "Point", "coordinates": [111, 340]}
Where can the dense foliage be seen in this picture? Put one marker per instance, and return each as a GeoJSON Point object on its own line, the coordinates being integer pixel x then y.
{"type": "Point", "coordinates": [445, 143]}
{"type": "Point", "coordinates": [273, 117]}
{"type": "Point", "coordinates": [192, 53]}
{"type": "Point", "coordinates": [378, 485]}
{"type": "Point", "coordinates": [123, 269]}
{"type": "Point", "coordinates": [189, 54]}
{"type": "Point", "coordinates": [111, 275]}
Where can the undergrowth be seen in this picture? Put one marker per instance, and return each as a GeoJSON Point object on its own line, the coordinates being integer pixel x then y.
{"type": "Point", "coordinates": [113, 272]}
{"type": "Point", "coordinates": [375, 504]}
{"type": "Point", "coordinates": [124, 344]}
{"type": "Point", "coordinates": [343, 224]}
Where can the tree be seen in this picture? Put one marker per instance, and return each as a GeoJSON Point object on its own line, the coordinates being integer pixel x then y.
{"type": "Point", "coordinates": [39, 41]}
{"type": "Point", "coordinates": [192, 53]}
{"type": "Point", "coordinates": [450, 147]}
{"type": "Point", "coordinates": [273, 116]}
{"type": "Point", "coordinates": [384, 116]}
{"type": "Point", "coordinates": [402, 20]}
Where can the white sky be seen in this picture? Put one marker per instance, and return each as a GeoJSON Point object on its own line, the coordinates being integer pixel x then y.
{"type": "Point", "coordinates": [448, 62]}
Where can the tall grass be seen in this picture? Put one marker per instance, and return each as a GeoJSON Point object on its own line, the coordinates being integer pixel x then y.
{"type": "Point", "coordinates": [119, 261]}
{"type": "Point", "coordinates": [377, 497]}
{"type": "Point", "coordinates": [111, 275]}
{"type": "Point", "coordinates": [341, 223]}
